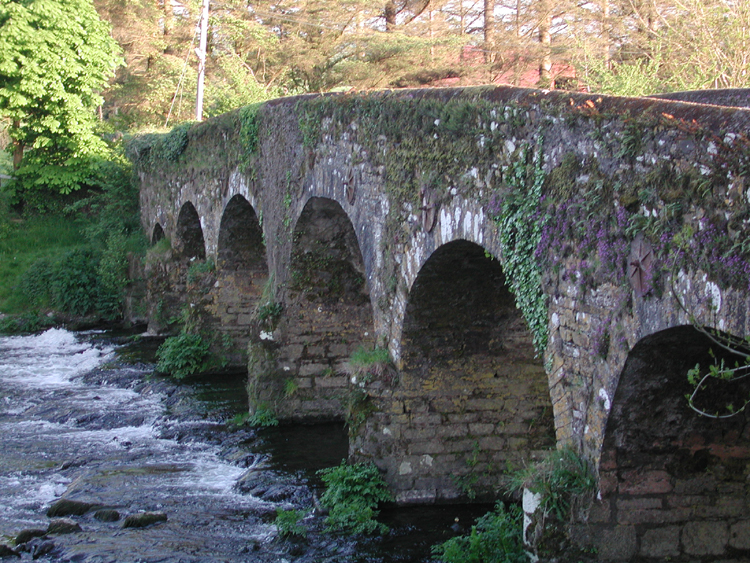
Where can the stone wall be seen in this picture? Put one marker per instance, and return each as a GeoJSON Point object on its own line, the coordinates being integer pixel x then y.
{"type": "Point", "coordinates": [412, 172]}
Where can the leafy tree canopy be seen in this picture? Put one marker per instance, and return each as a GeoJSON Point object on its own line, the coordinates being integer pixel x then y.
{"type": "Point", "coordinates": [55, 58]}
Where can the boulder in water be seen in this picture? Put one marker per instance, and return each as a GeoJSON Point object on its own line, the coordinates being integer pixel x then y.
{"type": "Point", "coordinates": [7, 551]}
{"type": "Point", "coordinates": [107, 515]}
{"type": "Point", "coordinates": [143, 519]}
{"type": "Point", "coordinates": [28, 535]}
{"type": "Point", "coordinates": [62, 526]}
{"type": "Point", "coordinates": [67, 507]}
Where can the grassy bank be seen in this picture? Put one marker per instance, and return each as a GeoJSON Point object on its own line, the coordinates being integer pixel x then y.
{"type": "Point", "coordinates": [70, 262]}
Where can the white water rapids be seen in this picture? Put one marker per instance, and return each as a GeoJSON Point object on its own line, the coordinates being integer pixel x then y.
{"type": "Point", "coordinates": [102, 444]}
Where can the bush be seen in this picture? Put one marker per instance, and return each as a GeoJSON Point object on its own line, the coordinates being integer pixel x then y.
{"type": "Point", "coordinates": [263, 416]}
{"type": "Point", "coordinates": [182, 355]}
{"type": "Point", "coordinates": [495, 538]}
{"type": "Point", "coordinates": [288, 522]}
{"type": "Point", "coordinates": [352, 495]}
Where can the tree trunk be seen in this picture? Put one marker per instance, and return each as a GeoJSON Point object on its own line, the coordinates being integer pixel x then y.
{"type": "Point", "coordinates": [489, 31]}
{"type": "Point", "coordinates": [606, 35]}
{"type": "Point", "coordinates": [545, 41]}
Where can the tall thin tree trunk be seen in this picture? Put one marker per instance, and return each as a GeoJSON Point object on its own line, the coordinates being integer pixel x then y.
{"type": "Point", "coordinates": [489, 31]}
{"type": "Point", "coordinates": [606, 35]}
{"type": "Point", "coordinates": [545, 41]}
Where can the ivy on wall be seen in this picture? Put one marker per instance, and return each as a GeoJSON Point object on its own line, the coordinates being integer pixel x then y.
{"type": "Point", "coordinates": [577, 218]}
{"type": "Point", "coordinates": [520, 224]}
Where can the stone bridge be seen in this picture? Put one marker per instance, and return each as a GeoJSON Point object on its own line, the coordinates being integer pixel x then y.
{"type": "Point", "coordinates": [535, 264]}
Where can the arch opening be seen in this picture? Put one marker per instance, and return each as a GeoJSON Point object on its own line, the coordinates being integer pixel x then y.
{"type": "Point", "coordinates": [327, 311]}
{"type": "Point", "coordinates": [676, 482]}
{"type": "Point", "coordinates": [189, 241]}
{"type": "Point", "coordinates": [469, 361]}
{"type": "Point", "coordinates": [240, 245]}
{"type": "Point", "coordinates": [157, 234]}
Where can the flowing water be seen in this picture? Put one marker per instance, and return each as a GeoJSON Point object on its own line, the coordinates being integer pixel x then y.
{"type": "Point", "coordinates": [81, 420]}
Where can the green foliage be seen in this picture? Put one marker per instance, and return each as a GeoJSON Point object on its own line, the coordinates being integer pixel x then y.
{"type": "Point", "coordinates": [23, 324]}
{"type": "Point", "coordinates": [520, 228]}
{"type": "Point", "coordinates": [288, 522]}
{"type": "Point", "coordinates": [200, 268]}
{"type": "Point", "coordinates": [352, 495]}
{"type": "Point", "coordinates": [366, 365]}
{"type": "Point", "coordinates": [182, 355]}
{"type": "Point", "coordinates": [270, 311]}
{"type": "Point", "coordinates": [57, 56]}
{"type": "Point", "coordinates": [563, 479]}
{"type": "Point", "coordinates": [112, 273]}
{"type": "Point", "coordinates": [495, 538]}
{"type": "Point", "coordinates": [68, 284]}
{"type": "Point", "coordinates": [263, 416]}
{"type": "Point", "coordinates": [249, 127]}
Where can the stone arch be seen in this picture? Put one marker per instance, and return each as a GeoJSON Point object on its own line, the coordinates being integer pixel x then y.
{"type": "Point", "coordinates": [189, 241]}
{"type": "Point", "coordinates": [241, 245]}
{"type": "Point", "coordinates": [475, 396]}
{"type": "Point", "coordinates": [327, 311]}
{"type": "Point", "coordinates": [673, 483]}
{"type": "Point", "coordinates": [157, 234]}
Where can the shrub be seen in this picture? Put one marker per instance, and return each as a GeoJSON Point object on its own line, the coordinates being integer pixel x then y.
{"type": "Point", "coordinates": [563, 479]}
{"type": "Point", "coordinates": [495, 538]}
{"type": "Point", "coordinates": [352, 495]}
{"type": "Point", "coordinates": [263, 416]}
{"type": "Point", "coordinates": [365, 366]}
{"type": "Point", "coordinates": [288, 522]}
{"type": "Point", "coordinates": [182, 355]}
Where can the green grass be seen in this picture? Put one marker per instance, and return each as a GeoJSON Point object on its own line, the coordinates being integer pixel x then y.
{"type": "Point", "coordinates": [25, 240]}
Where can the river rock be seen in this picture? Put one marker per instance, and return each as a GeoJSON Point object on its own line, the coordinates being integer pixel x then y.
{"type": "Point", "coordinates": [67, 507]}
{"type": "Point", "coordinates": [143, 519]}
{"type": "Point", "coordinates": [28, 535]}
{"type": "Point", "coordinates": [39, 548]}
{"type": "Point", "coordinates": [7, 551]}
{"type": "Point", "coordinates": [107, 515]}
{"type": "Point", "coordinates": [62, 526]}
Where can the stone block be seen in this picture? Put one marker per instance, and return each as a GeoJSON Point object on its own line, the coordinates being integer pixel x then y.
{"type": "Point", "coordinates": [430, 447]}
{"type": "Point", "coordinates": [616, 544]}
{"type": "Point", "coordinates": [661, 542]}
{"type": "Point", "coordinates": [607, 483]}
{"type": "Point", "coordinates": [481, 428]}
{"type": "Point", "coordinates": [739, 535]}
{"type": "Point", "coordinates": [330, 382]}
{"type": "Point", "coordinates": [654, 516]}
{"type": "Point", "coordinates": [639, 503]}
{"type": "Point", "coordinates": [645, 483]}
{"type": "Point", "coordinates": [700, 484]}
{"type": "Point", "coordinates": [705, 538]}
{"type": "Point", "coordinates": [312, 369]}
{"type": "Point", "coordinates": [600, 512]}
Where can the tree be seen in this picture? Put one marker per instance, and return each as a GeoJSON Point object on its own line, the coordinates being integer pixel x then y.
{"type": "Point", "coordinates": [55, 58]}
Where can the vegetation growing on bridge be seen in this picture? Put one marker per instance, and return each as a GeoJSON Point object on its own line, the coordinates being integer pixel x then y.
{"type": "Point", "coordinates": [439, 144]}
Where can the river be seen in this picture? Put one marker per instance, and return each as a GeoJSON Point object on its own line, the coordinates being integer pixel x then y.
{"type": "Point", "coordinates": [84, 418]}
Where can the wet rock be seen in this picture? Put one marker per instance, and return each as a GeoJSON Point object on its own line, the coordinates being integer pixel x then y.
{"type": "Point", "coordinates": [143, 519]}
{"type": "Point", "coordinates": [67, 507]}
{"type": "Point", "coordinates": [40, 548]}
{"type": "Point", "coordinates": [25, 536]}
{"type": "Point", "coordinates": [7, 551]}
{"type": "Point", "coordinates": [107, 515]}
{"type": "Point", "coordinates": [278, 493]}
{"type": "Point", "coordinates": [61, 526]}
